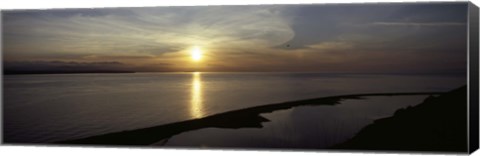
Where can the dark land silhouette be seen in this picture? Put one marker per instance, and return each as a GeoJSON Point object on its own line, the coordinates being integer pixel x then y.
{"type": "Point", "coordinates": [243, 118]}
{"type": "Point", "coordinates": [24, 72]}
{"type": "Point", "coordinates": [437, 124]}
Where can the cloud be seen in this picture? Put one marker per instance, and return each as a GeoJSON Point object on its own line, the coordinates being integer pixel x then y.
{"type": "Point", "coordinates": [419, 24]}
{"type": "Point", "coordinates": [136, 31]}
{"type": "Point", "coordinates": [266, 37]}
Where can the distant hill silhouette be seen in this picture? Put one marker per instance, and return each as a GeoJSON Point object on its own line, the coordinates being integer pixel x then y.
{"type": "Point", "coordinates": [21, 72]}
{"type": "Point", "coordinates": [62, 67]}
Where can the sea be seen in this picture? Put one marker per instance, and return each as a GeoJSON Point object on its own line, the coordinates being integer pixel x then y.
{"type": "Point", "coordinates": [55, 107]}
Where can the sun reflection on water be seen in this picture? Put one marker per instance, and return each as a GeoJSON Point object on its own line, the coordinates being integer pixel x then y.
{"type": "Point", "coordinates": [196, 99]}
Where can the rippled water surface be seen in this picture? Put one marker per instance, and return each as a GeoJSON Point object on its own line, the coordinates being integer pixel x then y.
{"type": "Point", "coordinates": [46, 108]}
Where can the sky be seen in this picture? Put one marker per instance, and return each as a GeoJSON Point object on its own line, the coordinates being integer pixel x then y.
{"type": "Point", "coordinates": [358, 38]}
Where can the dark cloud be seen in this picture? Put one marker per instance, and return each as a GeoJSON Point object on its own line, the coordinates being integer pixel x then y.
{"type": "Point", "coordinates": [313, 24]}
{"type": "Point", "coordinates": [64, 13]}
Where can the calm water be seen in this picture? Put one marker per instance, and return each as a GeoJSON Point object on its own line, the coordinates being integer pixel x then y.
{"type": "Point", "coordinates": [308, 127]}
{"type": "Point", "coordinates": [46, 108]}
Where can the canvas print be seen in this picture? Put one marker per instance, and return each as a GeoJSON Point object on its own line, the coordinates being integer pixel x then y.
{"type": "Point", "coordinates": [378, 76]}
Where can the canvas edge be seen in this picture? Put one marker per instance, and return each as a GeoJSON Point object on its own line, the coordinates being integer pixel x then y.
{"type": "Point", "coordinates": [473, 85]}
{"type": "Point", "coordinates": [472, 77]}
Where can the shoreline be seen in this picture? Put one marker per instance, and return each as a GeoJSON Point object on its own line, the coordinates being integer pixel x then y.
{"type": "Point", "coordinates": [436, 124]}
{"type": "Point", "coordinates": [242, 118]}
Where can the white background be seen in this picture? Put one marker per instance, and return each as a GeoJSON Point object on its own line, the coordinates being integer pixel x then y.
{"type": "Point", "coordinates": [77, 151]}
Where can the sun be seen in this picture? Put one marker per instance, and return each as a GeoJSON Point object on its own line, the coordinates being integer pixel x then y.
{"type": "Point", "coordinates": [196, 53]}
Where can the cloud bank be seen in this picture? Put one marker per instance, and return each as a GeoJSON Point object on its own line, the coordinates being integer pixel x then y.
{"type": "Point", "coordinates": [325, 38]}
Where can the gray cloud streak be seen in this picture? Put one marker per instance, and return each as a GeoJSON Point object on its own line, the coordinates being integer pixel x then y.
{"type": "Point", "coordinates": [430, 24]}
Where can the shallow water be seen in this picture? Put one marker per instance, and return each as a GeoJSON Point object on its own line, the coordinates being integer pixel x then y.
{"type": "Point", "coordinates": [46, 108]}
{"type": "Point", "coordinates": [313, 127]}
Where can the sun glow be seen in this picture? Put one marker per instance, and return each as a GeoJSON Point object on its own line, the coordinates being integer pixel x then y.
{"type": "Point", "coordinates": [196, 53]}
